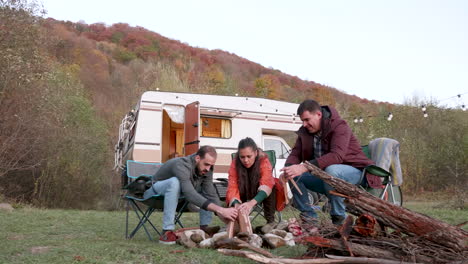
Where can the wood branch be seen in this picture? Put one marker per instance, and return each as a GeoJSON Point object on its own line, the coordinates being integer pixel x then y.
{"type": "Point", "coordinates": [397, 217]}
{"type": "Point", "coordinates": [462, 224]}
{"type": "Point", "coordinates": [338, 194]}
{"type": "Point", "coordinates": [330, 259]}
{"type": "Point", "coordinates": [285, 187]}
{"type": "Point", "coordinates": [363, 250]}
{"type": "Point", "coordinates": [230, 228]}
{"type": "Point", "coordinates": [367, 260]}
{"type": "Point", "coordinates": [262, 251]}
{"type": "Point", "coordinates": [344, 231]}
{"type": "Point", "coordinates": [357, 249]}
{"type": "Point", "coordinates": [247, 254]}
{"type": "Point", "coordinates": [236, 243]}
{"type": "Point", "coordinates": [244, 223]}
{"type": "Point", "coordinates": [263, 259]}
{"type": "Point", "coordinates": [295, 186]}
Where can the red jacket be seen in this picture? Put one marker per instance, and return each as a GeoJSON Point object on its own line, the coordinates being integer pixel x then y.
{"type": "Point", "coordinates": [339, 146]}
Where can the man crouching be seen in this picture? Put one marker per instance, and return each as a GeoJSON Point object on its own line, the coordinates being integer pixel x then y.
{"type": "Point", "coordinates": [193, 176]}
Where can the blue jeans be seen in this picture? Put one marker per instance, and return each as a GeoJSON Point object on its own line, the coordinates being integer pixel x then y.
{"type": "Point", "coordinates": [170, 189]}
{"type": "Point", "coordinates": [313, 183]}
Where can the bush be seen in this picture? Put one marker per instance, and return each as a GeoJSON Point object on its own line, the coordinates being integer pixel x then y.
{"type": "Point", "coordinates": [76, 147]}
{"type": "Point", "coordinates": [124, 56]}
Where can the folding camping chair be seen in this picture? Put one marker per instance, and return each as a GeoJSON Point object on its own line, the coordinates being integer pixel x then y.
{"type": "Point", "coordinates": [134, 170]}
{"type": "Point", "coordinates": [385, 153]}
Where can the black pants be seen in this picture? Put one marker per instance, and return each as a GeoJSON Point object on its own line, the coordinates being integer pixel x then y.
{"type": "Point", "coordinates": [269, 206]}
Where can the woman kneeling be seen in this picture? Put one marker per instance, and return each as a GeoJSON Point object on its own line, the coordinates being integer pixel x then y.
{"type": "Point", "coordinates": [251, 181]}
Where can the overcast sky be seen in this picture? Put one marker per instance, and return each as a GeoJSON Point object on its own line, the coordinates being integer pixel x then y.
{"type": "Point", "coordinates": [380, 50]}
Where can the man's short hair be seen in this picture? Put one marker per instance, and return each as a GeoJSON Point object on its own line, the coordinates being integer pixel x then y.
{"type": "Point", "coordinates": [308, 105]}
{"type": "Point", "coordinates": [207, 149]}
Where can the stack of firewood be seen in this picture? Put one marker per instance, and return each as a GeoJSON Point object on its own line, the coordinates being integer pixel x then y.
{"type": "Point", "coordinates": [381, 233]}
{"type": "Point", "coordinates": [388, 231]}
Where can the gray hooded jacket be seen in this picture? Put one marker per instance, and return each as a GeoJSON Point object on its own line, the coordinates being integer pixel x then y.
{"type": "Point", "coordinates": [197, 189]}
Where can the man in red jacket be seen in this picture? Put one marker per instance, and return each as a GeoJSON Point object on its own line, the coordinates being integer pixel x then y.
{"type": "Point", "coordinates": [326, 141]}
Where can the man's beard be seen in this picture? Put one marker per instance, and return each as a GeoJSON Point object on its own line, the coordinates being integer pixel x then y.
{"type": "Point", "coordinates": [199, 172]}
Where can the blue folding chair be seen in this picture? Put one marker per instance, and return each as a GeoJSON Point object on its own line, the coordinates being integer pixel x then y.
{"type": "Point", "coordinates": [134, 171]}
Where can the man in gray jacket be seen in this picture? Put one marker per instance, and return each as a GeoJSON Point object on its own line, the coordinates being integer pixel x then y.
{"type": "Point", "coordinates": [193, 176]}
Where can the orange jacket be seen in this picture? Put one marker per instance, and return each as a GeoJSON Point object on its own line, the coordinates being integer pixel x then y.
{"type": "Point", "coordinates": [266, 180]}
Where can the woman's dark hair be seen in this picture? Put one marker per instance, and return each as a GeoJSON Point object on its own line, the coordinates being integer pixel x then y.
{"type": "Point", "coordinates": [248, 178]}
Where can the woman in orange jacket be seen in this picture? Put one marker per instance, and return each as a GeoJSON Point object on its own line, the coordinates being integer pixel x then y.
{"type": "Point", "coordinates": [251, 181]}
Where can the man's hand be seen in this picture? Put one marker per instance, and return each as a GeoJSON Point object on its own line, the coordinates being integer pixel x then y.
{"type": "Point", "coordinates": [229, 214]}
{"type": "Point", "coordinates": [293, 171]}
{"type": "Point", "coordinates": [246, 208]}
{"type": "Point", "coordinates": [283, 178]}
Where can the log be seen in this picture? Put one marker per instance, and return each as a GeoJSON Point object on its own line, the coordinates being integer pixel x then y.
{"type": "Point", "coordinates": [244, 223]}
{"type": "Point", "coordinates": [235, 243]}
{"type": "Point", "coordinates": [263, 259]}
{"type": "Point", "coordinates": [366, 225]}
{"type": "Point", "coordinates": [285, 187]}
{"type": "Point", "coordinates": [284, 182]}
{"type": "Point", "coordinates": [462, 224]}
{"type": "Point", "coordinates": [330, 259]}
{"type": "Point", "coordinates": [357, 249]}
{"type": "Point", "coordinates": [230, 228]}
{"type": "Point", "coordinates": [345, 231]}
{"type": "Point", "coordinates": [360, 202]}
{"type": "Point", "coordinates": [367, 260]}
{"type": "Point", "coordinates": [361, 250]}
{"type": "Point", "coordinates": [247, 254]}
{"type": "Point", "coordinates": [262, 251]}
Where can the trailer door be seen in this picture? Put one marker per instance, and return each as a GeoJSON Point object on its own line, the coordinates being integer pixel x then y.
{"type": "Point", "coordinates": [192, 121]}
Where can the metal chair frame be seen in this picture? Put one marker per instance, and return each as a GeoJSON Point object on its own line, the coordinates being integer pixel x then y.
{"type": "Point", "coordinates": [152, 204]}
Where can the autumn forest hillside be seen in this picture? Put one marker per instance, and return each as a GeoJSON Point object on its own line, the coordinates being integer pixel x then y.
{"type": "Point", "coordinates": [64, 87]}
{"type": "Point", "coordinates": [123, 56]}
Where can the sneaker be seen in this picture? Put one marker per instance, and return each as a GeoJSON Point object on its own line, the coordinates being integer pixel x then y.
{"type": "Point", "coordinates": [168, 238]}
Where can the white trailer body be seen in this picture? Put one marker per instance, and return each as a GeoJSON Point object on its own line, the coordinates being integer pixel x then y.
{"type": "Point", "coordinates": [168, 124]}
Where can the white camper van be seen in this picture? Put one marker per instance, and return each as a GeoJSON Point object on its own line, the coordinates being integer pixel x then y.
{"type": "Point", "coordinates": [164, 125]}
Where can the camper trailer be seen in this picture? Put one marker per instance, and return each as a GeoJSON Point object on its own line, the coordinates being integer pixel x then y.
{"type": "Point", "coordinates": [164, 125]}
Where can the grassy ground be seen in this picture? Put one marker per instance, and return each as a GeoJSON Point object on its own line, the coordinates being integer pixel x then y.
{"type": "Point", "coordinates": [32, 235]}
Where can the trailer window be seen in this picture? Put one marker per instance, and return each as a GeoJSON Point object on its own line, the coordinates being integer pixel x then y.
{"type": "Point", "coordinates": [215, 127]}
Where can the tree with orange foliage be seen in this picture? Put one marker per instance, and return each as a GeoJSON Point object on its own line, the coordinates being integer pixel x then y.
{"type": "Point", "coordinates": [215, 79]}
{"type": "Point", "coordinates": [267, 86]}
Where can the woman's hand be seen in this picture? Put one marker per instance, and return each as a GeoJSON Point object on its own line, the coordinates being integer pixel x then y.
{"type": "Point", "coordinates": [246, 207]}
